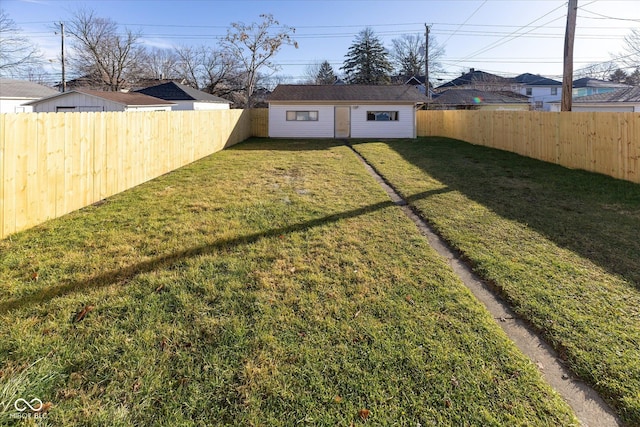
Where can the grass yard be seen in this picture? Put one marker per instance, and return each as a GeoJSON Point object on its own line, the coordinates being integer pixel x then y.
{"type": "Point", "coordinates": [272, 283]}
{"type": "Point", "coordinates": [563, 247]}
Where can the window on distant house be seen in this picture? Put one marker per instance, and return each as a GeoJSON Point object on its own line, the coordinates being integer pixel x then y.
{"type": "Point", "coordinates": [529, 91]}
{"type": "Point", "coordinates": [64, 109]}
{"type": "Point", "coordinates": [302, 116]}
{"type": "Point", "coordinates": [554, 91]}
{"type": "Point", "coordinates": [382, 116]}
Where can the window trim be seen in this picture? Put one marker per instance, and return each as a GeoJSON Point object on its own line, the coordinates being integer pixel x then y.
{"type": "Point", "coordinates": [299, 115]}
{"type": "Point", "coordinates": [394, 115]}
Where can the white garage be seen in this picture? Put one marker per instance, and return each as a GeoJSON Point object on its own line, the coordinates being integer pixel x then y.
{"type": "Point", "coordinates": [344, 111]}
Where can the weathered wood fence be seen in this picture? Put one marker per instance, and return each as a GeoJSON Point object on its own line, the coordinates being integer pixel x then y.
{"type": "Point", "coordinates": [606, 143]}
{"type": "Point", "coordinates": [54, 163]}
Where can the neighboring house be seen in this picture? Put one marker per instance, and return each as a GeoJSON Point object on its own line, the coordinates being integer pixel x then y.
{"type": "Point", "coordinates": [15, 93]}
{"type": "Point", "coordinates": [476, 79]}
{"type": "Point", "coordinates": [80, 100]}
{"type": "Point", "coordinates": [474, 99]}
{"type": "Point", "coordinates": [540, 90]}
{"type": "Point", "coordinates": [343, 111]}
{"type": "Point", "coordinates": [186, 97]}
{"type": "Point", "coordinates": [621, 100]}
{"type": "Point", "coordinates": [588, 86]}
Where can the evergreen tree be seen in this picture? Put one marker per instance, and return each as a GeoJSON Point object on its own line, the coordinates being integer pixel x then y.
{"type": "Point", "coordinates": [325, 76]}
{"type": "Point", "coordinates": [367, 60]}
{"type": "Point", "coordinates": [618, 76]}
{"type": "Point", "coordinates": [633, 79]}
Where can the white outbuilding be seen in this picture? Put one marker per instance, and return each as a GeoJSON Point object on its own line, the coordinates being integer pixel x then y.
{"type": "Point", "coordinates": [79, 100]}
{"type": "Point", "coordinates": [14, 94]}
{"type": "Point", "coordinates": [344, 111]}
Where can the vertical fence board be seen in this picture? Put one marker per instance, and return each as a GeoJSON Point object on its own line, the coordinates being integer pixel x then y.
{"type": "Point", "coordinates": [54, 163]}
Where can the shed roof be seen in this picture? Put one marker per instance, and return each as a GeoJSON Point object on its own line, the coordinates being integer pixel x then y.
{"type": "Point", "coordinates": [477, 97]}
{"type": "Point", "coordinates": [10, 88]}
{"type": "Point", "coordinates": [347, 93]}
{"type": "Point", "coordinates": [173, 91]}
{"type": "Point", "coordinates": [125, 98]}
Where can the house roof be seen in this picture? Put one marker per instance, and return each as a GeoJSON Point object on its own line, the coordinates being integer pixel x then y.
{"type": "Point", "coordinates": [529, 79]}
{"type": "Point", "coordinates": [478, 97]}
{"type": "Point", "coordinates": [475, 77]}
{"type": "Point", "coordinates": [347, 93]}
{"type": "Point", "coordinates": [173, 91]}
{"type": "Point", "coordinates": [589, 82]}
{"type": "Point", "coordinates": [629, 94]}
{"type": "Point", "coordinates": [24, 89]}
{"type": "Point", "coordinates": [125, 98]}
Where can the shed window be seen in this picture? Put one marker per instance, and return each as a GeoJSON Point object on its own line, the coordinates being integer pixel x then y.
{"type": "Point", "coordinates": [302, 116]}
{"type": "Point", "coordinates": [382, 116]}
{"type": "Point", "coordinates": [529, 91]}
{"type": "Point", "coordinates": [554, 91]}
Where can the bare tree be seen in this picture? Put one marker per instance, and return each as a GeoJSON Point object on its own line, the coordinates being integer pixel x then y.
{"type": "Point", "coordinates": [254, 45]}
{"type": "Point", "coordinates": [101, 52]}
{"type": "Point", "coordinates": [600, 71]}
{"type": "Point", "coordinates": [17, 53]}
{"type": "Point", "coordinates": [631, 55]}
{"type": "Point", "coordinates": [211, 70]}
{"type": "Point", "coordinates": [160, 64]}
{"type": "Point", "coordinates": [407, 54]}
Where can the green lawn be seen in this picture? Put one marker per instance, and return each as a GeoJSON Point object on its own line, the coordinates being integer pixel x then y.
{"type": "Point", "coordinates": [272, 283]}
{"type": "Point", "coordinates": [563, 246]}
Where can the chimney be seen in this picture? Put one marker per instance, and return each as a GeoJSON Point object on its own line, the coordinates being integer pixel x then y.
{"type": "Point", "coordinates": [472, 70]}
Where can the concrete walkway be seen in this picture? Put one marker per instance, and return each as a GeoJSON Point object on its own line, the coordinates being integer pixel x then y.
{"type": "Point", "coordinates": [588, 406]}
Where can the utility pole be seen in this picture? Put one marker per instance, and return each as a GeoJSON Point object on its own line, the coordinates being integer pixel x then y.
{"type": "Point", "coordinates": [567, 75]}
{"type": "Point", "coordinates": [426, 61]}
{"type": "Point", "coordinates": [64, 80]}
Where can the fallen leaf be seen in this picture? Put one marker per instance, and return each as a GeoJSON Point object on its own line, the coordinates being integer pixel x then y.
{"type": "Point", "coordinates": [364, 414]}
{"type": "Point", "coordinates": [410, 299]}
{"type": "Point", "coordinates": [357, 314]}
{"type": "Point", "coordinates": [163, 344]}
{"type": "Point", "coordinates": [34, 276]}
{"type": "Point", "coordinates": [337, 399]}
{"type": "Point", "coordinates": [447, 403]}
{"type": "Point", "coordinates": [455, 382]}
{"type": "Point", "coordinates": [45, 407]}
{"type": "Point", "coordinates": [86, 310]}
{"type": "Point", "coordinates": [136, 386]}
{"type": "Point", "coordinates": [159, 288]}
{"type": "Point", "coordinates": [292, 269]}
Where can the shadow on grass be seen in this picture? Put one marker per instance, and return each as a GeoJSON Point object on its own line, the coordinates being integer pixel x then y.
{"type": "Point", "coordinates": [124, 275]}
{"type": "Point", "coordinates": [268, 144]}
{"type": "Point", "coordinates": [593, 215]}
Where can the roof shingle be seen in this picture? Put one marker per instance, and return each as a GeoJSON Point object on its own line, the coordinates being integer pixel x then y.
{"type": "Point", "coordinates": [177, 92]}
{"type": "Point", "coordinates": [347, 93]}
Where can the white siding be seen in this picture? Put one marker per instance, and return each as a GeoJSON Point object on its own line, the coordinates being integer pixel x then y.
{"type": "Point", "coordinates": [200, 106]}
{"type": "Point", "coordinates": [403, 128]}
{"type": "Point", "coordinates": [279, 127]}
{"type": "Point", "coordinates": [148, 108]}
{"type": "Point", "coordinates": [15, 106]}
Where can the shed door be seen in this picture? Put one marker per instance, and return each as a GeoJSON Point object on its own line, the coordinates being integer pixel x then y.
{"type": "Point", "coordinates": [342, 122]}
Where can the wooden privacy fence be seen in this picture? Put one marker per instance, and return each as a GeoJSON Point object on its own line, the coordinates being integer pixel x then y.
{"type": "Point", "coordinates": [54, 163]}
{"type": "Point", "coordinates": [606, 143]}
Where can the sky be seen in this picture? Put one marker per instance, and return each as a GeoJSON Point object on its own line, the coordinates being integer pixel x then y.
{"type": "Point", "coordinates": [504, 37]}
